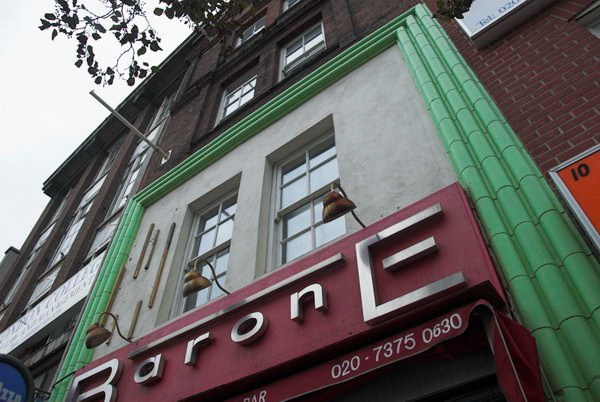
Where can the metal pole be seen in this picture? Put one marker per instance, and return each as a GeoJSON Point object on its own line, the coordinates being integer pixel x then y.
{"type": "Point", "coordinates": [130, 126]}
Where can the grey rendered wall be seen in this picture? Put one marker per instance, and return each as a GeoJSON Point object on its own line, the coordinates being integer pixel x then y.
{"type": "Point", "coordinates": [389, 157]}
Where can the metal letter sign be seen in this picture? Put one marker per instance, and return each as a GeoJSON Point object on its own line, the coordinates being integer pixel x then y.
{"type": "Point", "coordinates": [578, 180]}
{"type": "Point", "coordinates": [374, 312]}
{"type": "Point", "coordinates": [408, 264]}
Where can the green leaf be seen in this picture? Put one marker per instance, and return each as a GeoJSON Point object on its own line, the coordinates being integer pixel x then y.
{"type": "Point", "coordinates": [50, 16]}
{"type": "Point", "coordinates": [110, 71]}
{"type": "Point", "coordinates": [98, 80]}
{"type": "Point", "coordinates": [141, 50]}
{"type": "Point", "coordinates": [78, 63]}
{"type": "Point", "coordinates": [131, 81]}
{"type": "Point", "coordinates": [54, 33]}
{"type": "Point", "coordinates": [158, 11]}
{"type": "Point", "coordinates": [154, 69]}
{"type": "Point", "coordinates": [155, 47]}
{"type": "Point", "coordinates": [96, 36]}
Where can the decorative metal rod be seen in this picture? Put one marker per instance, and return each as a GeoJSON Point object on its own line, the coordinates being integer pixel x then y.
{"type": "Point", "coordinates": [117, 324]}
{"type": "Point", "coordinates": [130, 126]}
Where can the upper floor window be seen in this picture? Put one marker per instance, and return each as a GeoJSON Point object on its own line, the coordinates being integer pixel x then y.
{"type": "Point", "coordinates": [210, 240]}
{"type": "Point", "coordinates": [252, 30]}
{"type": "Point", "coordinates": [300, 49]}
{"type": "Point", "coordinates": [290, 3]}
{"type": "Point", "coordinates": [301, 183]}
{"type": "Point", "coordinates": [85, 205]}
{"type": "Point", "coordinates": [234, 99]}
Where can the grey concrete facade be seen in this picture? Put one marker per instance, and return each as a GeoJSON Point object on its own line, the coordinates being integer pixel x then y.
{"type": "Point", "coordinates": [389, 156]}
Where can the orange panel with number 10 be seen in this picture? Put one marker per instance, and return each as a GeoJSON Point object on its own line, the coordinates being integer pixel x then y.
{"type": "Point", "coordinates": [582, 178]}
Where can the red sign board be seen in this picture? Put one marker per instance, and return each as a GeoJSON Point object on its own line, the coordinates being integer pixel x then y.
{"type": "Point", "coordinates": [399, 272]}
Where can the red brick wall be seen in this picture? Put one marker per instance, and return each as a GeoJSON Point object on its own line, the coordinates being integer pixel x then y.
{"type": "Point", "coordinates": [545, 77]}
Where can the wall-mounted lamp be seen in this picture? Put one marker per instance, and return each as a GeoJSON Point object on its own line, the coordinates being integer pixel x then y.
{"type": "Point", "coordinates": [336, 205]}
{"type": "Point", "coordinates": [96, 334]}
{"type": "Point", "coordinates": [194, 281]}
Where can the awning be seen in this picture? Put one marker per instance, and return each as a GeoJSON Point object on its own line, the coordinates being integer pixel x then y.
{"type": "Point", "coordinates": [513, 347]}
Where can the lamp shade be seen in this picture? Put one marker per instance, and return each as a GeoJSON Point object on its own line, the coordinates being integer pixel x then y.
{"type": "Point", "coordinates": [194, 282]}
{"type": "Point", "coordinates": [335, 205]}
{"type": "Point", "coordinates": [96, 335]}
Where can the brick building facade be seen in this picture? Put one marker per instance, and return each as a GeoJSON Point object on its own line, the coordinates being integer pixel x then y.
{"type": "Point", "coordinates": [543, 75]}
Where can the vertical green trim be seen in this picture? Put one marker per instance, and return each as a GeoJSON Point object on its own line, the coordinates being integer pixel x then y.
{"type": "Point", "coordinates": [552, 277]}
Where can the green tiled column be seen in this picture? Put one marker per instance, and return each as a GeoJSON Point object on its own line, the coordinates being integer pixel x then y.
{"type": "Point", "coordinates": [552, 277]}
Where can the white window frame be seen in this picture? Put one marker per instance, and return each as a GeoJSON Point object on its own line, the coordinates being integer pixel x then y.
{"type": "Point", "coordinates": [252, 30]}
{"type": "Point", "coordinates": [228, 93]}
{"type": "Point", "coordinates": [287, 6]}
{"type": "Point", "coordinates": [179, 305]}
{"type": "Point", "coordinates": [306, 54]}
{"type": "Point", "coordinates": [280, 213]}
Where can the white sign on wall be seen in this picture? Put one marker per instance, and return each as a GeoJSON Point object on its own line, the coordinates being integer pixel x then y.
{"type": "Point", "coordinates": [484, 13]}
{"type": "Point", "coordinates": [52, 307]}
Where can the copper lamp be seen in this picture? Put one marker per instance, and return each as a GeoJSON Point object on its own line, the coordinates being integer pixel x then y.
{"type": "Point", "coordinates": [336, 205]}
{"type": "Point", "coordinates": [96, 334]}
{"type": "Point", "coordinates": [194, 281]}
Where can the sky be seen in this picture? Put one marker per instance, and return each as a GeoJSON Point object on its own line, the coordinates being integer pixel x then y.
{"type": "Point", "coordinates": [45, 108]}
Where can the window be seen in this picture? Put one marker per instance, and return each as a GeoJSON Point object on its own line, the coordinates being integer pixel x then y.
{"type": "Point", "coordinates": [236, 98]}
{"type": "Point", "coordinates": [301, 183]}
{"type": "Point", "coordinates": [79, 217]}
{"type": "Point", "coordinates": [300, 49]}
{"type": "Point", "coordinates": [43, 286]}
{"type": "Point", "coordinates": [252, 30]}
{"type": "Point", "coordinates": [210, 239]}
{"type": "Point", "coordinates": [289, 3]}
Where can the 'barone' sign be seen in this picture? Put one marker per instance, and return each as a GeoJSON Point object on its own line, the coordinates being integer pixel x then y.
{"type": "Point", "coordinates": [414, 264]}
{"type": "Point", "coordinates": [53, 306]}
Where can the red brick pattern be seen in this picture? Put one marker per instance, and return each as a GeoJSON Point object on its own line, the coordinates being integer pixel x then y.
{"type": "Point", "coordinates": [545, 77]}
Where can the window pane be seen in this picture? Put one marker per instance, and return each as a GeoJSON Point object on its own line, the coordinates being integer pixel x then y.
{"type": "Point", "coordinates": [215, 291]}
{"type": "Point", "coordinates": [294, 191]}
{"type": "Point", "coordinates": [231, 109]}
{"type": "Point", "coordinates": [250, 86]}
{"type": "Point", "coordinates": [222, 262]}
{"type": "Point", "coordinates": [313, 38]}
{"type": "Point", "coordinates": [293, 51]}
{"type": "Point", "coordinates": [197, 299]}
{"type": "Point", "coordinates": [247, 97]}
{"type": "Point", "coordinates": [208, 220]}
{"type": "Point", "coordinates": [206, 242]}
{"type": "Point", "coordinates": [224, 231]}
{"type": "Point", "coordinates": [318, 209]}
{"type": "Point", "coordinates": [232, 98]}
{"type": "Point", "coordinates": [296, 221]}
{"type": "Point", "coordinates": [328, 231]}
{"type": "Point", "coordinates": [324, 175]}
{"type": "Point", "coordinates": [296, 247]}
{"type": "Point", "coordinates": [321, 153]}
{"type": "Point", "coordinates": [293, 170]}
{"type": "Point", "coordinates": [228, 209]}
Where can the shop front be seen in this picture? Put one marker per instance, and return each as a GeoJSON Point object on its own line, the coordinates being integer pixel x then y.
{"type": "Point", "coordinates": [409, 308]}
